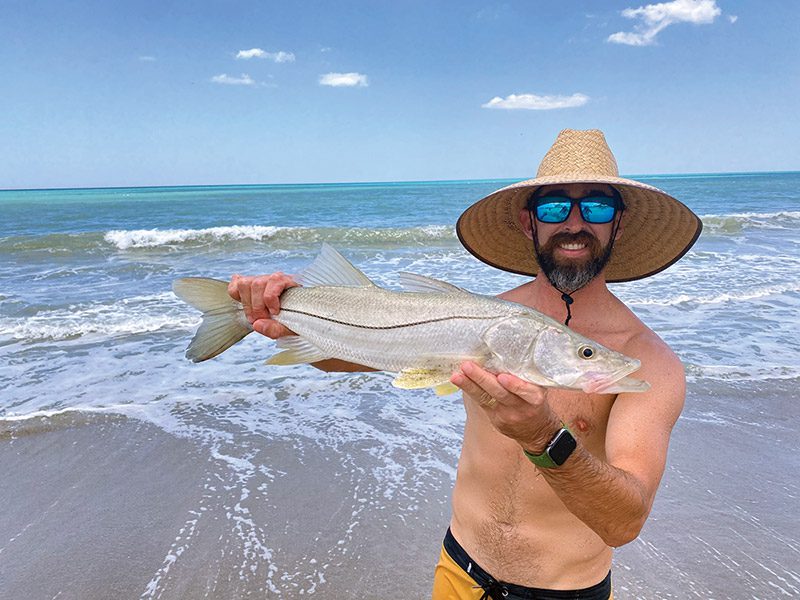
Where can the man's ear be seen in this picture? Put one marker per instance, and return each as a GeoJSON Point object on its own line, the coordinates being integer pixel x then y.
{"type": "Point", "coordinates": [525, 222]}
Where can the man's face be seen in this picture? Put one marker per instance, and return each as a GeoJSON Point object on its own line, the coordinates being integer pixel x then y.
{"type": "Point", "coordinates": [571, 253]}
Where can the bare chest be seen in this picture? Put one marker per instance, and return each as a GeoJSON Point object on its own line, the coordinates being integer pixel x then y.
{"type": "Point", "coordinates": [507, 510]}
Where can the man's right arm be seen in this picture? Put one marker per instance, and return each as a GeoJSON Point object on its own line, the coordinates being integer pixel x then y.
{"type": "Point", "coordinates": [260, 297]}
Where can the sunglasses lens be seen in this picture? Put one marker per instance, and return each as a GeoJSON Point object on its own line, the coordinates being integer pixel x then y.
{"type": "Point", "coordinates": [552, 210]}
{"type": "Point", "coordinates": [598, 210]}
{"type": "Point", "coordinates": [594, 209]}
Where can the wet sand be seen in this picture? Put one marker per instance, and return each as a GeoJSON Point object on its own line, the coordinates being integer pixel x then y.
{"type": "Point", "coordinates": [111, 507]}
{"type": "Point", "coordinates": [104, 506]}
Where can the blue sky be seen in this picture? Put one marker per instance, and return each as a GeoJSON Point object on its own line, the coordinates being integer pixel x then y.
{"type": "Point", "coordinates": [204, 92]}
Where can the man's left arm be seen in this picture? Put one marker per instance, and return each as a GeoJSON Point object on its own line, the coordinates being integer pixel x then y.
{"type": "Point", "coordinates": [613, 496]}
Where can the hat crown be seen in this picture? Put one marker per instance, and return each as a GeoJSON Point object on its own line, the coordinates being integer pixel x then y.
{"type": "Point", "coordinates": [579, 153]}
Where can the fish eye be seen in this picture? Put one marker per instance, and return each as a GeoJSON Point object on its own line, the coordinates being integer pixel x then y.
{"type": "Point", "coordinates": [586, 352]}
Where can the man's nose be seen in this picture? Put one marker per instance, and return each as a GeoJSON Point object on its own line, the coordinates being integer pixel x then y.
{"type": "Point", "coordinates": [574, 220]}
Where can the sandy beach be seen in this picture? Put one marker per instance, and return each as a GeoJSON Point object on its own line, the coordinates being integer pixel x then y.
{"type": "Point", "coordinates": [111, 507]}
{"type": "Point", "coordinates": [107, 506]}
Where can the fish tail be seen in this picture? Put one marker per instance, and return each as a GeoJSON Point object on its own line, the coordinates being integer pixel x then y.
{"type": "Point", "coordinates": [224, 322]}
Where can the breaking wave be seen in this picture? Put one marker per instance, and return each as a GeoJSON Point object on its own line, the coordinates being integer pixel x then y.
{"type": "Point", "coordinates": [734, 224]}
{"type": "Point", "coordinates": [740, 296]}
{"type": "Point", "coordinates": [224, 237]}
{"type": "Point", "coordinates": [128, 316]}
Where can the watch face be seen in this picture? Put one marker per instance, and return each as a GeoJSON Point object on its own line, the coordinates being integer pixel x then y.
{"type": "Point", "coordinates": [562, 447]}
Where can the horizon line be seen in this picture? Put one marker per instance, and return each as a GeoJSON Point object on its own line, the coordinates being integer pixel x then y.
{"type": "Point", "coordinates": [384, 182]}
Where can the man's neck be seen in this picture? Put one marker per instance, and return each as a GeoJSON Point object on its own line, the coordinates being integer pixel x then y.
{"type": "Point", "coordinates": [590, 299]}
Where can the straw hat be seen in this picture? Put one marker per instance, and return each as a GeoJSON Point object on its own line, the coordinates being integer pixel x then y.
{"type": "Point", "coordinates": [657, 230]}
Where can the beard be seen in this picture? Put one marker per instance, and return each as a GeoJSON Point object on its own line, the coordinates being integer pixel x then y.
{"type": "Point", "coordinates": [567, 276]}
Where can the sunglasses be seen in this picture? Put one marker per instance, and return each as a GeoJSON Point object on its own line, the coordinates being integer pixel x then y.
{"type": "Point", "coordinates": [594, 208]}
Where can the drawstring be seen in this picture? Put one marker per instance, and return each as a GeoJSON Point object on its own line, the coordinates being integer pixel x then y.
{"type": "Point", "coordinates": [567, 298]}
{"type": "Point", "coordinates": [492, 590]}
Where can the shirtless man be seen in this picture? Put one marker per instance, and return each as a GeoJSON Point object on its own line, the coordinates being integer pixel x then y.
{"type": "Point", "coordinates": [536, 515]}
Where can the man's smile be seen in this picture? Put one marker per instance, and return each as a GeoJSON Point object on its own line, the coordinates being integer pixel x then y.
{"type": "Point", "coordinates": [572, 246]}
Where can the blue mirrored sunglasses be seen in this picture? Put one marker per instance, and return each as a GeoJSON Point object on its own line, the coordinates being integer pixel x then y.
{"type": "Point", "coordinates": [595, 209]}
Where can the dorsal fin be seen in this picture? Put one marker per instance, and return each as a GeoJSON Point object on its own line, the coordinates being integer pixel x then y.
{"type": "Point", "coordinates": [331, 268]}
{"type": "Point", "coordinates": [412, 282]}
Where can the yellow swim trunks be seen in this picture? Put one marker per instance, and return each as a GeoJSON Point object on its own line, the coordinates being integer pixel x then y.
{"type": "Point", "coordinates": [457, 577]}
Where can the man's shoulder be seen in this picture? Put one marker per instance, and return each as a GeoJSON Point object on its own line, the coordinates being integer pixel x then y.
{"type": "Point", "coordinates": [660, 365]}
{"type": "Point", "coordinates": [646, 343]}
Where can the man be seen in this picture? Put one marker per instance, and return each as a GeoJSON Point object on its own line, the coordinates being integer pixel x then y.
{"type": "Point", "coordinates": [550, 480]}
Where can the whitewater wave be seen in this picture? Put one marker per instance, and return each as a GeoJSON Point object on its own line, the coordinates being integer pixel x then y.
{"type": "Point", "coordinates": [280, 236]}
{"type": "Point", "coordinates": [226, 237]}
{"type": "Point", "coordinates": [149, 238]}
{"type": "Point", "coordinates": [128, 316]}
{"type": "Point", "coordinates": [743, 296]}
{"type": "Point", "coordinates": [736, 223]}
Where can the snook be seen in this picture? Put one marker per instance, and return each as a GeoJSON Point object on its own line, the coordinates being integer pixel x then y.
{"type": "Point", "coordinates": [422, 334]}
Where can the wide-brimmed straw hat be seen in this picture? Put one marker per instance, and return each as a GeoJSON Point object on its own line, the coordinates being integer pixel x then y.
{"type": "Point", "coordinates": [657, 229]}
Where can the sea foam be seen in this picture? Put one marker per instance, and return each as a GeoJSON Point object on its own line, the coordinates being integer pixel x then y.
{"type": "Point", "coordinates": [141, 314]}
{"type": "Point", "coordinates": [278, 236]}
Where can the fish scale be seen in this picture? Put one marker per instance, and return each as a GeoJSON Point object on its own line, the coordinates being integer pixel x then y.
{"type": "Point", "coordinates": [408, 329]}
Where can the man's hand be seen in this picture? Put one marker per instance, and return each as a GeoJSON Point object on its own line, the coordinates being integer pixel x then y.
{"type": "Point", "coordinates": [517, 409]}
{"type": "Point", "coordinates": [260, 297]}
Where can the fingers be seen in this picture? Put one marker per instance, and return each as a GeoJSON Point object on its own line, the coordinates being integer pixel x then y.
{"type": "Point", "coordinates": [479, 384]}
{"type": "Point", "coordinates": [273, 288]}
{"type": "Point", "coordinates": [244, 287]}
{"type": "Point", "coordinates": [233, 288]}
{"type": "Point", "coordinates": [260, 298]}
{"type": "Point", "coordinates": [504, 388]}
{"type": "Point", "coordinates": [271, 329]}
{"type": "Point", "coordinates": [529, 392]}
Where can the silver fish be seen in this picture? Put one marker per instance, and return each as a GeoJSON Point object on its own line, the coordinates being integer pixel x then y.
{"type": "Point", "coordinates": [422, 334]}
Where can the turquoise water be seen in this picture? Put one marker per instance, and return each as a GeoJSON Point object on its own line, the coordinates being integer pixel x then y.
{"type": "Point", "coordinates": [88, 322]}
{"type": "Point", "coordinates": [109, 249]}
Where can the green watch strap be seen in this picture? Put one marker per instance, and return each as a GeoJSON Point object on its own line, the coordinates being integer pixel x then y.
{"type": "Point", "coordinates": [543, 460]}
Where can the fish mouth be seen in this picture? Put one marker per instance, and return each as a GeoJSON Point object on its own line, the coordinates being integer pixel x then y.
{"type": "Point", "coordinates": [600, 384]}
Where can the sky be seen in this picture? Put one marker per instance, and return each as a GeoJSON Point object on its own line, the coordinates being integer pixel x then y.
{"type": "Point", "coordinates": [163, 92]}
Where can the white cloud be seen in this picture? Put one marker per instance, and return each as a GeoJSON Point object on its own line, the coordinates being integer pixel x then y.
{"type": "Point", "coordinates": [733, 18]}
{"type": "Point", "coordinates": [534, 102]}
{"type": "Point", "coordinates": [147, 58]}
{"type": "Point", "coordinates": [654, 18]}
{"type": "Point", "coordinates": [344, 80]}
{"type": "Point", "coordinates": [277, 57]}
{"type": "Point", "coordinates": [224, 79]}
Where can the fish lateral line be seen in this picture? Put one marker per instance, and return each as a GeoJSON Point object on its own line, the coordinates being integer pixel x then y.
{"type": "Point", "coordinates": [385, 327]}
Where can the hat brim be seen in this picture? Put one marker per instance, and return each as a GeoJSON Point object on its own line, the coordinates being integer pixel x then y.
{"type": "Point", "coordinates": [656, 229]}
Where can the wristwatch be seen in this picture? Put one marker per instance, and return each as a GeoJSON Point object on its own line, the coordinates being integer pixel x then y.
{"type": "Point", "coordinates": [557, 451]}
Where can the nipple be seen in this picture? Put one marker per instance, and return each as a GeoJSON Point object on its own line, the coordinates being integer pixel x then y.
{"type": "Point", "coordinates": [581, 425]}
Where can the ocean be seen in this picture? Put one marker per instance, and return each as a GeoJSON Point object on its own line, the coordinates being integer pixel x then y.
{"type": "Point", "coordinates": [130, 469]}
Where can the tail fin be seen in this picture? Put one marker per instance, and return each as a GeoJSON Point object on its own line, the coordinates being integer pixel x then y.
{"type": "Point", "coordinates": [224, 322]}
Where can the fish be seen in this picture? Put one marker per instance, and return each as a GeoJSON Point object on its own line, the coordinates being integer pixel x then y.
{"type": "Point", "coordinates": [421, 334]}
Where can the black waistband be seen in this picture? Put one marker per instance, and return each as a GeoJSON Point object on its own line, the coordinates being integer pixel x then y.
{"type": "Point", "coordinates": [499, 590]}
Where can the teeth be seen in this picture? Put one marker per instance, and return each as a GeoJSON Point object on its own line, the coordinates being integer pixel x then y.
{"type": "Point", "coordinates": [573, 246]}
